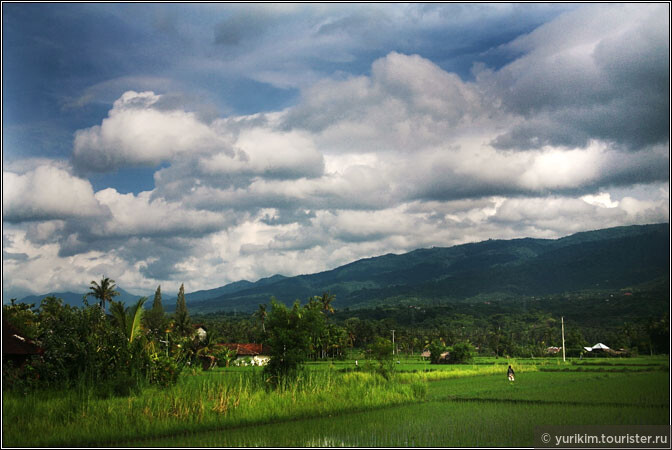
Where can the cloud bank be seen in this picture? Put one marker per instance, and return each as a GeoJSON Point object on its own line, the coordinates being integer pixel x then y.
{"type": "Point", "coordinates": [572, 134]}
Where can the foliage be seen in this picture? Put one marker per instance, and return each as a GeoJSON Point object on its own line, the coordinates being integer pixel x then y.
{"type": "Point", "coordinates": [104, 291]}
{"type": "Point", "coordinates": [128, 319]}
{"type": "Point", "coordinates": [261, 315]}
{"type": "Point", "coordinates": [436, 349]}
{"type": "Point", "coordinates": [22, 317]}
{"type": "Point", "coordinates": [84, 347]}
{"type": "Point", "coordinates": [381, 352]}
{"type": "Point", "coordinates": [79, 344]}
{"type": "Point", "coordinates": [207, 351]}
{"type": "Point", "coordinates": [226, 355]}
{"type": "Point", "coordinates": [155, 320]}
{"type": "Point", "coordinates": [291, 335]}
{"type": "Point", "coordinates": [163, 370]}
{"type": "Point", "coordinates": [326, 299]}
{"type": "Point", "coordinates": [461, 353]}
{"type": "Point", "coordinates": [181, 317]}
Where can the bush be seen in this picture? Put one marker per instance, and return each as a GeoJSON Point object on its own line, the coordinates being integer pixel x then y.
{"type": "Point", "coordinates": [381, 351]}
{"type": "Point", "coordinates": [436, 348]}
{"type": "Point", "coordinates": [163, 371]}
{"type": "Point", "coordinates": [461, 352]}
{"type": "Point", "coordinates": [290, 333]}
{"type": "Point", "coordinates": [80, 344]}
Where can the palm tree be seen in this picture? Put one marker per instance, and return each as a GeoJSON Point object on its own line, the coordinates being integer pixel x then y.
{"type": "Point", "coordinates": [261, 313]}
{"type": "Point", "coordinates": [104, 291]}
{"type": "Point", "coordinates": [326, 300]}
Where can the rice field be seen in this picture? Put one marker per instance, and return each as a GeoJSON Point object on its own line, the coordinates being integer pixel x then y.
{"type": "Point", "coordinates": [421, 405]}
{"type": "Point", "coordinates": [429, 424]}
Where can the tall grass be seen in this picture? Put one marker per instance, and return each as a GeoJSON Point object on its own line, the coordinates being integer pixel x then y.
{"type": "Point", "coordinates": [197, 403]}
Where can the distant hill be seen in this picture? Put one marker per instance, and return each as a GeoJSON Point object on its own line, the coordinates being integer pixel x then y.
{"type": "Point", "coordinates": [229, 289]}
{"type": "Point", "coordinates": [603, 259]}
{"type": "Point", "coordinates": [612, 258]}
{"type": "Point", "coordinates": [168, 301]}
{"type": "Point", "coordinates": [75, 299]}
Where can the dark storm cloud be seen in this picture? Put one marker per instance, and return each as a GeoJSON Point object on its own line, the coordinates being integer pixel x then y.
{"type": "Point", "coordinates": [241, 26]}
{"type": "Point", "coordinates": [574, 85]}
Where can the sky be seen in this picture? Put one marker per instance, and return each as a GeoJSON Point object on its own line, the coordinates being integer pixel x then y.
{"type": "Point", "coordinates": [169, 143]}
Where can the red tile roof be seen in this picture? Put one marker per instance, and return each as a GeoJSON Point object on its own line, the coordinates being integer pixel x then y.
{"type": "Point", "coordinates": [247, 349]}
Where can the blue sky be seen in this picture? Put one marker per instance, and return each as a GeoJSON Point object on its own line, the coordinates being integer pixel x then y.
{"type": "Point", "coordinates": [171, 143]}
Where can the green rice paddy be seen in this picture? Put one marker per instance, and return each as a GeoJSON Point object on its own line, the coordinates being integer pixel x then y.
{"type": "Point", "coordinates": [422, 405]}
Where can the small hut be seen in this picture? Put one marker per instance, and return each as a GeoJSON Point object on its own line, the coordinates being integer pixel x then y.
{"type": "Point", "coordinates": [600, 347]}
{"type": "Point", "coordinates": [256, 354]}
{"type": "Point", "coordinates": [15, 347]}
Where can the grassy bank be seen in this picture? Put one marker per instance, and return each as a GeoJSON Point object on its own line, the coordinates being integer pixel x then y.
{"type": "Point", "coordinates": [200, 402]}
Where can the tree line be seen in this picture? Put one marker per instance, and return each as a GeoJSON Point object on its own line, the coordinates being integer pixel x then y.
{"type": "Point", "coordinates": [134, 345]}
{"type": "Point", "coordinates": [116, 352]}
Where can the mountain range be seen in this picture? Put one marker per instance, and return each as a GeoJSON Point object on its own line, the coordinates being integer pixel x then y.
{"type": "Point", "coordinates": [612, 258]}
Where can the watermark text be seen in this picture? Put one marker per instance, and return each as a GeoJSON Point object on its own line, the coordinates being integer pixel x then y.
{"type": "Point", "coordinates": [603, 436]}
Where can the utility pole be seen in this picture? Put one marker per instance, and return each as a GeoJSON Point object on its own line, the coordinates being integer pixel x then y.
{"type": "Point", "coordinates": [393, 342]}
{"type": "Point", "coordinates": [562, 322]}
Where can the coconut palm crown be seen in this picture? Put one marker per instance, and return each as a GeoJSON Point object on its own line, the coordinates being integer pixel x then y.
{"type": "Point", "coordinates": [104, 291]}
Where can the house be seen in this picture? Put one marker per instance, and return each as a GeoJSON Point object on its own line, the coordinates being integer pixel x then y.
{"type": "Point", "coordinates": [426, 354]}
{"type": "Point", "coordinates": [200, 331]}
{"type": "Point", "coordinates": [15, 347]}
{"type": "Point", "coordinates": [597, 348]}
{"type": "Point", "coordinates": [256, 354]}
{"type": "Point", "coordinates": [600, 347]}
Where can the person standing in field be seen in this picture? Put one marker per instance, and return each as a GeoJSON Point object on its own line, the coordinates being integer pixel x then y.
{"type": "Point", "coordinates": [511, 373]}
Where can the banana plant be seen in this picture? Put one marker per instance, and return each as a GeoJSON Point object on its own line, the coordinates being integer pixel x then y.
{"type": "Point", "coordinates": [129, 319]}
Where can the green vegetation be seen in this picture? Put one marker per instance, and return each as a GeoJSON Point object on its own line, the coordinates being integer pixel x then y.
{"type": "Point", "coordinates": [420, 405]}
{"type": "Point", "coordinates": [434, 424]}
{"type": "Point", "coordinates": [104, 291]}
{"type": "Point", "coordinates": [292, 334]}
{"type": "Point", "coordinates": [201, 401]}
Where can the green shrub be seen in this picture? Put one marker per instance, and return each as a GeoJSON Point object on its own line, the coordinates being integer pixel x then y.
{"type": "Point", "coordinates": [436, 348]}
{"type": "Point", "coordinates": [461, 352]}
{"type": "Point", "coordinates": [290, 338]}
{"type": "Point", "coordinates": [163, 371]}
{"type": "Point", "coordinates": [381, 352]}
